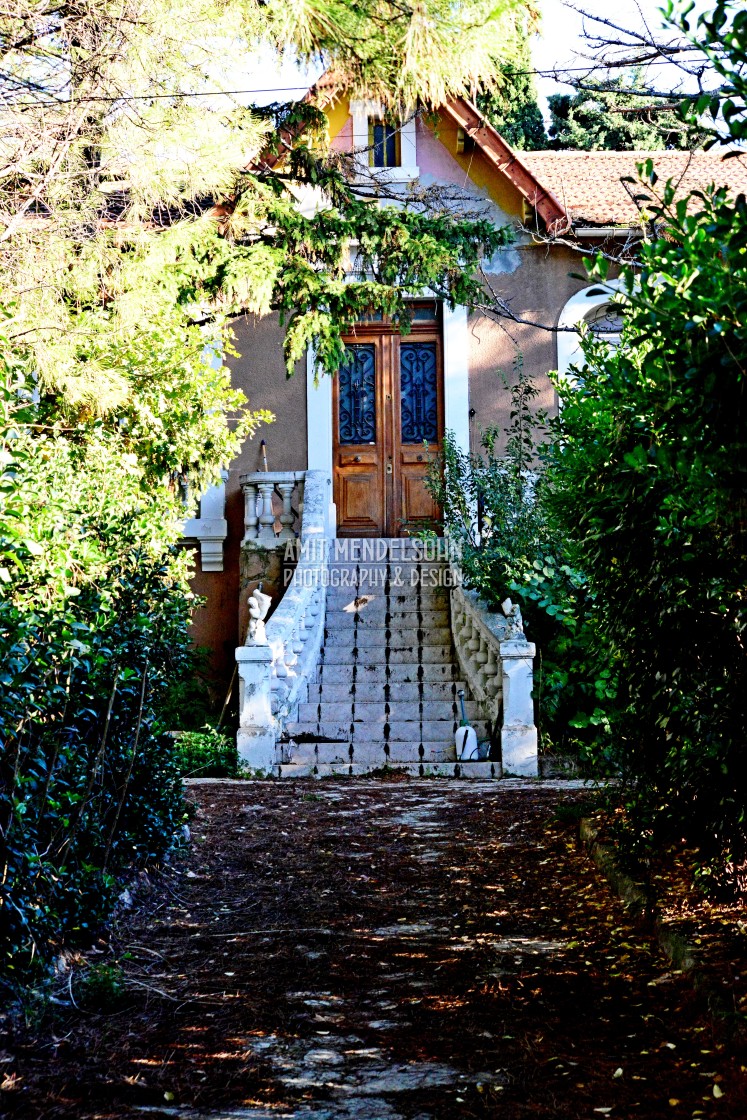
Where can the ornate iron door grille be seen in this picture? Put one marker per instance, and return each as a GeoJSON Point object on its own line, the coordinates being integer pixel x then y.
{"type": "Point", "coordinates": [357, 410]}
{"type": "Point", "coordinates": [419, 389]}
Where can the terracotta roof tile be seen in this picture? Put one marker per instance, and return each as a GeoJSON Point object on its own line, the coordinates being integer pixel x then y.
{"type": "Point", "coordinates": [589, 184]}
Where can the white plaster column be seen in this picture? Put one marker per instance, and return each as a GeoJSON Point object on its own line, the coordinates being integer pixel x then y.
{"type": "Point", "coordinates": [360, 112]}
{"type": "Point", "coordinates": [256, 734]}
{"type": "Point", "coordinates": [210, 529]}
{"type": "Point", "coordinates": [319, 430]}
{"type": "Point", "coordinates": [456, 374]}
{"type": "Point", "coordinates": [251, 518]}
{"type": "Point", "coordinates": [518, 733]}
{"type": "Point", "coordinates": [286, 517]}
{"type": "Point", "coordinates": [267, 516]}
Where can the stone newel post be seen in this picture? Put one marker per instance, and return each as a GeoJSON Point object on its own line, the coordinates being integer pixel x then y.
{"type": "Point", "coordinates": [256, 735]}
{"type": "Point", "coordinates": [518, 733]}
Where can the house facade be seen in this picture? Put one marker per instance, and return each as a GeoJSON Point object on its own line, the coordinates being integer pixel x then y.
{"type": "Point", "coordinates": [372, 429]}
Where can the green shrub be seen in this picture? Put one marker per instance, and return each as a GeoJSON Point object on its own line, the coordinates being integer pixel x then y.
{"type": "Point", "coordinates": [93, 630]}
{"type": "Point", "coordinates": [649, 476]}
{"type": "Point", "coordinates": [207, 754]}
{"type": "Point", "coordinates": [188, 705]}
{"type": "Point", "coordinates": [649, 484]}
{"type": "Point", "coordinates": [496, 510]}
{"type": "Point", "coordinates": [101, 988]}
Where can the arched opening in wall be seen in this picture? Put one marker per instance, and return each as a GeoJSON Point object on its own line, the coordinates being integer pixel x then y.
{"type": "Point", "coordinates": [594, 307]}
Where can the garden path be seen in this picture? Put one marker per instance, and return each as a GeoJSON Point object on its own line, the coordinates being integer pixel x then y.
{"type": "Point", "coordinates": [370, 950]}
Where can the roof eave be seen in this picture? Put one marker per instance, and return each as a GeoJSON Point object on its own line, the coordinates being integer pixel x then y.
{"type": "Point", "coordinates": [468, 117]}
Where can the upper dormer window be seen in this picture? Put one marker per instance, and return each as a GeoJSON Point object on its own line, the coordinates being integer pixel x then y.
{"type": "Point", "coordinates": [383, 144]}
{"type": "Point", "coordinates": [385, 148]}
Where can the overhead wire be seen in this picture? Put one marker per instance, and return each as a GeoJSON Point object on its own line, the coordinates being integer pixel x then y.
{"type": "Point", "coordinates": [52, 101]}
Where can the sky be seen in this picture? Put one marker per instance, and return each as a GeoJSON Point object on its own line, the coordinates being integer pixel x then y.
{"type": "Point", "coordinates": [561, 44]}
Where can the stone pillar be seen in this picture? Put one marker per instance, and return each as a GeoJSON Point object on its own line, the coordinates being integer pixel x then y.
{"type": "Point", "coordinates": [518, 733]}
{"type": "Point", "coordinates": [256, 735]}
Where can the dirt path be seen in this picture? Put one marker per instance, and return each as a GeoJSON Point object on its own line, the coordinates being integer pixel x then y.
{"type": "Point", "coordinates": [421, 950]}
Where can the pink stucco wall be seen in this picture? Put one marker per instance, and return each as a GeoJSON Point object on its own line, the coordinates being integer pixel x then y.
{"type": "Point", "coordinates": [434, 159]}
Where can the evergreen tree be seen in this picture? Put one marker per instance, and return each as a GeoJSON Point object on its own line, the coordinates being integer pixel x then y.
{"type": "Point", "coordinates": [610, 119]}
{"type": "Point", "coordinates": [512, 108]}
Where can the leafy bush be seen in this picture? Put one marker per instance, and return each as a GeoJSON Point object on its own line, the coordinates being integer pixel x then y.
{"type": "Point", "coordinates": [101, 988]}
{"type": "Point", "coordinates": [207, 754]}
{"type": "Point", "coordinates": [496, 509]}
{"type": "Point", "coordinates": [93, 630]}
{"type": "Point", "coordinates": [188, 704]}
{"type": "Point", "coordinates": [649, 478]}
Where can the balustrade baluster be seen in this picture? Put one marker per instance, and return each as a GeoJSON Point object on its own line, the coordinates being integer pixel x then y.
{"type": "Point", "coordinates": [267, 516]}
{"type": "Point", "coordinates": [491, 675]}
{"type": "Point", "coordinates": [286, 517]}
{"type": "Point", "coordinates": [250, 511]}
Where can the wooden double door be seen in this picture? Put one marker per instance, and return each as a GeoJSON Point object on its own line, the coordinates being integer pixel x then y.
{"type": "Point", "coordinates": [388, 423]}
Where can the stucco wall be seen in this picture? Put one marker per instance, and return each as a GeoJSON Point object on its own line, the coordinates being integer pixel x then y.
{"type": "Point", "coordinates": [537, 292]}
{"type": "Point", "coordinates": [440, 162]}
{"type": "Point", "coordinates": [260, 371]}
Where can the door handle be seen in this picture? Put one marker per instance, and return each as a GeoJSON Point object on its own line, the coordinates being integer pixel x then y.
{"type": "Point", "coordinates": [356, 458]}
{"type": "Point", "coordinates": [389, 468]}
{"type": "Point", "coordinates": [420, 458]}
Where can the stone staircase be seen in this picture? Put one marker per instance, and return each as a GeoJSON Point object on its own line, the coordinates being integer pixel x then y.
{"type": "Point", "coordinates": [386, 688]}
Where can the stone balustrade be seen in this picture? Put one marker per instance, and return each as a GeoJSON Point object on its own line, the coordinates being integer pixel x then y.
{"type": "Point", "coordinates": [259, 515]}
{"type": "Point", "coordinates": [497, 665]}
{"type": "Point", "coordinates": [274, 673]}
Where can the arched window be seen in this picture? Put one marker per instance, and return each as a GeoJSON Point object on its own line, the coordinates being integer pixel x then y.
{"type": "Point", "coordinates": [595, 307]}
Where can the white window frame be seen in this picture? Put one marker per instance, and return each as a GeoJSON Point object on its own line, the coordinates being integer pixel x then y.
{"type": "Point", "coordinates": [362, 112]}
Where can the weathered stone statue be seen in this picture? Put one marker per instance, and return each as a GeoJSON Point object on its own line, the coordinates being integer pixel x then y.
{"type": "Point", "coordinates": [259, 605]}
{"type": "Point", "coordinates": [514, 621]}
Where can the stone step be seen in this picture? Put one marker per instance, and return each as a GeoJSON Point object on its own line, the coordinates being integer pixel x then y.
{"type": "Point", "coordinates": [375, 638]}
{"type": "Point", "coordinates": [341, 672]}
{"type": "Point", "coordinates": [366, 711]}
{"type": "Point", "coordinates": [370, 754]}
{"type": "Point", "coordinates": [399, 693]}
{"type": "Point", "coordinates": [463, 771]}
{"type": "Point", "coordinates": [381, 607]}
{"type": "Point", "coordinates": [374, 658]}
{"type": "Point", "coordinates": [318, 752]}
{"type": "Point", "coordinates": [405, 731]}
{"type": "Point", "coordinates": [381, 618]}
{"type": "Point", "coordinates": [351, 598]}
